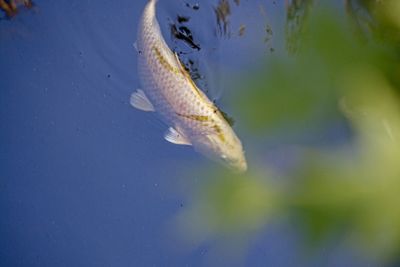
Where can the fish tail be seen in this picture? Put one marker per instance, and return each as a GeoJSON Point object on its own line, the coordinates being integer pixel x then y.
{"type": "Point", "coordinates": [152, 3]}
{"type": "Point", "coordinates": [149, 11]}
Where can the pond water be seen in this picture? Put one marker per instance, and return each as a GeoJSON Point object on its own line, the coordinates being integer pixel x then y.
{"type": "Point", "coordinates": [85, 179]}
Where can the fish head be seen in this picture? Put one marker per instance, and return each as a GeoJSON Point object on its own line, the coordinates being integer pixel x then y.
{"type": "Point", "coordinates": [225, 148]}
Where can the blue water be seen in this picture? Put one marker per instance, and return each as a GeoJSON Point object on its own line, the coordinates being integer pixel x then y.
{"type": "Point", "coordinates": [85, 180]}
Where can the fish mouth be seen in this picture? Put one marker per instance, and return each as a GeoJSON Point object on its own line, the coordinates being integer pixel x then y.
{"type": "Point", "coordinates": [242, 166]}
{"type": "Point", "coordinates": [239, 166]}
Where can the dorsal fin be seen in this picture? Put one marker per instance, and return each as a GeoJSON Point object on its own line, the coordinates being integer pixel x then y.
{"type": "Point", "coordinates": [186, 74]}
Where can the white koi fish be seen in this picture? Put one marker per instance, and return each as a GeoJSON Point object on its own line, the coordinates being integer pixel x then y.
{"type": "Point", "coordinates": [169, 90]}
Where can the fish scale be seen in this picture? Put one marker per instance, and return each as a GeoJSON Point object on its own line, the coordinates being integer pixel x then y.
{"type": "Point", "coordinates": [177, 99]}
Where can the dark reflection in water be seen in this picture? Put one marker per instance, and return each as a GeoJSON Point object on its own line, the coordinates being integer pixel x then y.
{"type": "Point", "coordinates": [296, 18]}
{"type": "Point", "coordinates": [182, 19]}
{"type": "Point", "coordinates": [359, 12]}
{"type": "Point", "coordinates": [193, 6]}
{"type": "Point", "coordinates": [222, 13]}
{"type": "Point", "coordinates": [182, 32]}
{"type": "Point", "coordinates": [242, 30]}
{"type": "Point", "coordinates": [12, 7]}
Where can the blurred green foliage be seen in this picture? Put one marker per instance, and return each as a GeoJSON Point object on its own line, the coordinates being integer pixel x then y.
{"type": "Point", "coordinates": [351, 192]}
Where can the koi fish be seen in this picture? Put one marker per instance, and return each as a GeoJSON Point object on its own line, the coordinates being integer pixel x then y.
{"type": "Point", "coordinates": [169, 90]}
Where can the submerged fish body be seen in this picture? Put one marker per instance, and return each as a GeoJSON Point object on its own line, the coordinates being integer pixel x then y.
{"type": "Point", "coordinates": [169, 90]}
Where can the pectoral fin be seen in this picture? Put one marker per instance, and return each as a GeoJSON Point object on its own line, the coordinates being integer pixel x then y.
{"type": "Point", "coordinates": [175, 137]}
{"type": "Point", "coordinates": [140, 101]}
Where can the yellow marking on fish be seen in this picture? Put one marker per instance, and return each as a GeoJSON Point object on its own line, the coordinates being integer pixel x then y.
{"type": "Point", "coordinates": [219, 132]}
{"type": "Point", "coordinates": [200, 118]}
{"type": "Point", "coordinates": [193, 85]}
{"type": "Point", "coordinates": [163, 61]}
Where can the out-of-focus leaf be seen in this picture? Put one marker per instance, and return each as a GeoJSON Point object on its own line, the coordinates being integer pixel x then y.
{"type": "Point", "coordinates": [229, 204]}
{"type": "Point", "coordinates": [303, 91]}
{"type": "Point", "coordinates": [351, 192]}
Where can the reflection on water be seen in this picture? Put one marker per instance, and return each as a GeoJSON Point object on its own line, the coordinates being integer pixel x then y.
{"type": "Point", "coordinates": [296, 19]}
{"type": "Point", "coordinates": [12, 7]}
{"type": "Point", "coordinates": [222, 13]}
{"type": "Point", "coordinates": [183, 33]}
